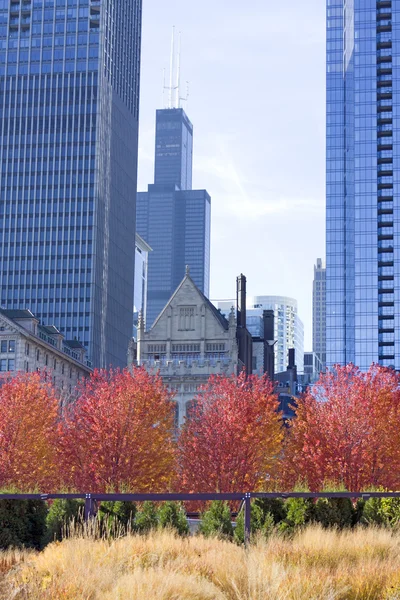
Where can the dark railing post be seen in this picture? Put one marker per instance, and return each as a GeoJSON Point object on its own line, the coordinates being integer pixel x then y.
{"type": "Point", "coordinates": [89, 507]}
{"type": "Point", "coordinates": [247, 519]}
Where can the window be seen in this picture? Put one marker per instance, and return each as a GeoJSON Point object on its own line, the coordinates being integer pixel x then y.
{"type": "Point", "coordinates": [47, 360]}
{"type": "Point", "coordinates": [55, 364]}
{"type": "Point", "coordinates": [11, 364]}
{"type": "Point", "coordinates": [3, 365]}
{"type": "Point", "coordinates": [4, 346]}
{"type": "Point", "coordinates": [186, 318]}
{"type": "Point", "coordinates": [11, 345]}
{"type": "Point", "coordinates": [26, 349]}
{"type": "Point", "coordinates": [62, 368]}
{"type": "Point", "coordinates": [37, 355]}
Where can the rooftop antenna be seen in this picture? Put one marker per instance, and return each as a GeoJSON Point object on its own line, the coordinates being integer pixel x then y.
{"type": "Point", "coordinates": [172, 69]}
{"type": "Point", "coordinates": [174, 88]}
{"type": "Point", "coordinates": [178, 77]}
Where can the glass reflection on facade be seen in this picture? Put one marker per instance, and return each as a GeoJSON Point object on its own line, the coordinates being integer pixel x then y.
{"type": "Point", "coordinates": [363, 156]}
{"type": "Point", "coordinates": [172, 218]}
{"type": "Point", "coordinates": [69, 98]}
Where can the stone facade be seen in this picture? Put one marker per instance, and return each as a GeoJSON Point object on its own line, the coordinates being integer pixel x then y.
{"type": "Point", "coordinates": [27, 346]}
{"type": "Point", "coordinates": [188, 342]}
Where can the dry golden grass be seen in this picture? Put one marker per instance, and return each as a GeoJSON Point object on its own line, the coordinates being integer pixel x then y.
{"type": "Point", "coordinates": [315, 565]}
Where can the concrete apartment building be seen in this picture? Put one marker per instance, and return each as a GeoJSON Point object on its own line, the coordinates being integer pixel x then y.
{"type": "Point", "coordinates": [27, 346]}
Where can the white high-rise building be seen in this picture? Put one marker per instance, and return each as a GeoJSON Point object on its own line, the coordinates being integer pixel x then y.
{"type": "Point", "coordinates": [142, 250]}
{"type": "Point", "coordinates": [319, 312]}
{"type": "Point", "coordinates": [289, 329]}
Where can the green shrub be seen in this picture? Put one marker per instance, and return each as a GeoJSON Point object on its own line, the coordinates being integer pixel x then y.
{"type": "Point", "coordinates": [116, 518]}
{"type": "Point", "coordinates": [22, 523]}
{"type": "Point", "coordinates": [60, 516]}
{"type": "Point", "coordinates": [299, 512]}
{"type": "Point", "coordinates": [381, 511]}
{"type": "Point", "coordinates": [275, 507]}
{"type": "Point", "coordinates": [173, 515]}
{"type": "Point", "coordinates": [216, 521]}
{"type": "Point", "coordinates": [259, 522]}
{"type": "Point", "coordinates": [146, 518]}
{"type": "Point", "coordinates": [334, 512]}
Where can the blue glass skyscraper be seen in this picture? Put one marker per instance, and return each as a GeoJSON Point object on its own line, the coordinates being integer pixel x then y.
{"type": "Point", "coordinates": [172, 218]}
{"type": "Point", "coordinates": [69, 100]}
{"type": "Point", "coordinates": [363, 193]}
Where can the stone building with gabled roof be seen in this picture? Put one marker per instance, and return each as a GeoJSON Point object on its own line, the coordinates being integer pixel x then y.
{"type": "Point", "coordinates": [189, 341]}
{"type": "Point", "coordinates": [27, 346]}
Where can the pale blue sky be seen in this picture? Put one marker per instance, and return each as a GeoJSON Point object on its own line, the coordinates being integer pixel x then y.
{"type": "Point", "coordinates": [257, 103]}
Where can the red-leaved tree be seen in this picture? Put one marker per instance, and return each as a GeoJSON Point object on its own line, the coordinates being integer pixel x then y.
{"type": "Point", "coordinates": [232, 440]}
{"type": "Point", "coordinates": [118, 435]}
{"type": "Point", "coordinates": [346, 431]}
{"type": "Point", "coordinates": [28, 434]}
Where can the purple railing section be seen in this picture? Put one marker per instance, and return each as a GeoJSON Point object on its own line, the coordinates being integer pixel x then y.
{"type": "Point", "coordinates": [243, 497]}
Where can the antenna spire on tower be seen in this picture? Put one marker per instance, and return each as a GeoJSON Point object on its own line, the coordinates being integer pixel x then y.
{"type": "Point", "coordinates": [178, 77]}
{"type": "Point", "coordinates": [171, 69]}
{"type": "Point", "coordinates": [174, 88]}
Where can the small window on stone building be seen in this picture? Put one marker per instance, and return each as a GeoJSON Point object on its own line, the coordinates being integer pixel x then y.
{"type": "Point", "coordinates": [190, 408]}
{"type": "Point", "coordinates": [4, 346]}
{"type": "Point", "coordinates": [37, 355]}
{"type": "Point", "coordinates": [186, 318]}
{"type": "Point", "coordinates": [27, 349]}
{"type": "Point", "coordinates": [11, 345]}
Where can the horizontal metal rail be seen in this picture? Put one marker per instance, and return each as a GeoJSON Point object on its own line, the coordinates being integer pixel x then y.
{"type": "Point", "coordinates": [243, 497]}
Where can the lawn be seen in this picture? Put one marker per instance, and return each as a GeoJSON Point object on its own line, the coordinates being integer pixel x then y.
{"type": "Point", "coordinates": [315, 564]}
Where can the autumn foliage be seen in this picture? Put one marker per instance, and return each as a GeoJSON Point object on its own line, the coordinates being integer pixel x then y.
{"type": "Point", "coordinates": [28, 422]}
{"type": "Point", "coordinates": [118, 435]}
{"type": "Point", "coordinates": [347, 431]}
{"type": "Point", "coordinates": [232, 440]}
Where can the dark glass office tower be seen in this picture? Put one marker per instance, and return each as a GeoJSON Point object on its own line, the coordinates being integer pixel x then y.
{"type": "Point", "coordinates": [363, 193]}
{"type": "Point", "coordinates": [69, 100]}
{"type": "Point", "coordinates": [172, 218]}
{"type": "Point", "coordinates": [174, 149]}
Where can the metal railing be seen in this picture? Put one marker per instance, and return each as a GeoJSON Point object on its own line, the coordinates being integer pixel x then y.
{"type": "Point", "coordinates": [244, 498]}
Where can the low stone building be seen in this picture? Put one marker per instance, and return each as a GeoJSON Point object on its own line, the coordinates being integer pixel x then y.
{"type": "Point", "coordinates": [26, 345]}
{"type": "Point", "coordinates": [188, 342]}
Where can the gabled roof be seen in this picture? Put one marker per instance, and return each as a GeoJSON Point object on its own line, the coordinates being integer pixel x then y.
{"type": "Point", "coordinates": [74, 344]}
{"type": "Point", "coordinates": [50, 329]}
{"type": "Point", "coordinates": [220, 317]}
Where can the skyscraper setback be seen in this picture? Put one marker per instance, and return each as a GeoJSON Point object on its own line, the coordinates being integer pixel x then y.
{"type": "Point", "coordinates": [363, 201]}
{"type": "Point", "coordinates": [69, 101]}
{"type": "Point", "coordinates": [172, 218]}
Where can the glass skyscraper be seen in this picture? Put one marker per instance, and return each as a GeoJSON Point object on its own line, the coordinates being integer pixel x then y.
{"type": "Point", "coordinates": [69, 100]}
{"type": "Point", "coordinates": [172, 218]}
{"type": "Point", "coordinates": [363, 200]}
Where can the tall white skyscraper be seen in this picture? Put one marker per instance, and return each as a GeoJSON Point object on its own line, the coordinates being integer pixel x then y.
{"type": "Point", "coordinates": [319, 311]}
